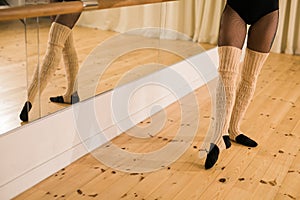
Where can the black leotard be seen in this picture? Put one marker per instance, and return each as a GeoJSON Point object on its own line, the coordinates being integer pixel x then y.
{"type": "Point", "coordinates": [252, 10]}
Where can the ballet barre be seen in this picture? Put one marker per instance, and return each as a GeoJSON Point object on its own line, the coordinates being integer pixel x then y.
{"type": "Point", "coordinates": [41, 10]}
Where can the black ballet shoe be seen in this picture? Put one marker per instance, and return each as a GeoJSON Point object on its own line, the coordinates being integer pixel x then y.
{"type": "Point", "coordinates": [246, 141]}
{"type": "Point", "coordinates": [227, 142]}
{"type": "Point", "coordinates": [25, 110]}
{"type": "Point", "coordinates": [212, 156]}
{"type": "Point", "coordinates": [60, 99]}
{"type": "Point", "coordinates": [75, 98]}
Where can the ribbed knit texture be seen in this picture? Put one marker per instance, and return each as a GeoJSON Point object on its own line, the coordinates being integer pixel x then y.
{"type": "Point", "coordinates": [229, 59]}
{"type": "Point", "coordinates": [253, 63]}
{"type": "Point", "coordinates": [57, 36]}
{"type": "Point", "coordinates": [71, 66]}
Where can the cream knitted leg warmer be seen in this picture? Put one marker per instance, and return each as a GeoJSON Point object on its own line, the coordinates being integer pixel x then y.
{"type": "Point", "coordinates": [57, 37]}
{"type": "Point", "coordinates": [71, 67]}
{"type": "Point", "coordinates": [253, 63]}
{"type": "Point", "coordinates": [229, 59]}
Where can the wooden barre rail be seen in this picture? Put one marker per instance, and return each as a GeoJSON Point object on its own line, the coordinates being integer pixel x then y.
{"type": "Point", "coordinates": [41, 10]}
{"type": "Point", "coordinates": [103, 4]}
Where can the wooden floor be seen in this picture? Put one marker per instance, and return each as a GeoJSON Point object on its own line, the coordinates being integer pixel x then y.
{"type": "Point", "coordinates": [269, 171]}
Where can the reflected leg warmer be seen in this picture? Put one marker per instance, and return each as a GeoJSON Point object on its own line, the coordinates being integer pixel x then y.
{"type": "Point", "coordinates": [57, 37]}
{"type": "Point", "coordinates": [71, 67]}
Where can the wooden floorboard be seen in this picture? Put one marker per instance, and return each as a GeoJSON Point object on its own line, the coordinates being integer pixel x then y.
{"type": "Point", "coordinates": [269, 171]}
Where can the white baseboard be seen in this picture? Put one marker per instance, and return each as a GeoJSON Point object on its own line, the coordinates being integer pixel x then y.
{"type": "Point", "coordinates": [33, 152]}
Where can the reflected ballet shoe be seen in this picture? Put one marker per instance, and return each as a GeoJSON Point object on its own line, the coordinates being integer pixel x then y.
{"type": "Point", "coordinates": [60, 99]}
{"type": "Point", "coordinates": [25, 110]}
{"type": "Point", "coordinates": [75, 98]}
{"type": "Point", "coordinates": [212, 156]}
{"type": "Point", "coordinates": [244, 140]}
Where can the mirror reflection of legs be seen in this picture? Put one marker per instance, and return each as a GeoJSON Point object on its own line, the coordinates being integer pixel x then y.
{"type": "Point", "coordinates": [59, 47]}
{"type": "Point", "coordinates": [61, 44]}
{"type": "Point", "coordinates": [60, 41]}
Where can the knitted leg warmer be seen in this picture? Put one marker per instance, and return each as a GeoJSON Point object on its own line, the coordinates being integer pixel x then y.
{"type": "Point", "coordinates": [253, 63]}
{"type": "Point", "coordinates": [226, 89]}
{"type": "Point", "coordinates": [56, 40]}
{"type": "Point", "coordinates": [71, 67]}
{"type": "Point", "coordinates": [229, 58]}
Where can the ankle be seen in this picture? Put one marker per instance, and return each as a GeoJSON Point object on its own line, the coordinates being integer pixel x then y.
{"type": "Point", "coordinates": [233, 133]}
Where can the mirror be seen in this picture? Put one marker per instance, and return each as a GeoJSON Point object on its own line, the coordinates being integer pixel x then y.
{"type": "Point", "coordinates": [103, 41]}
{"type": "Point", "coordinates": [12, 72]}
